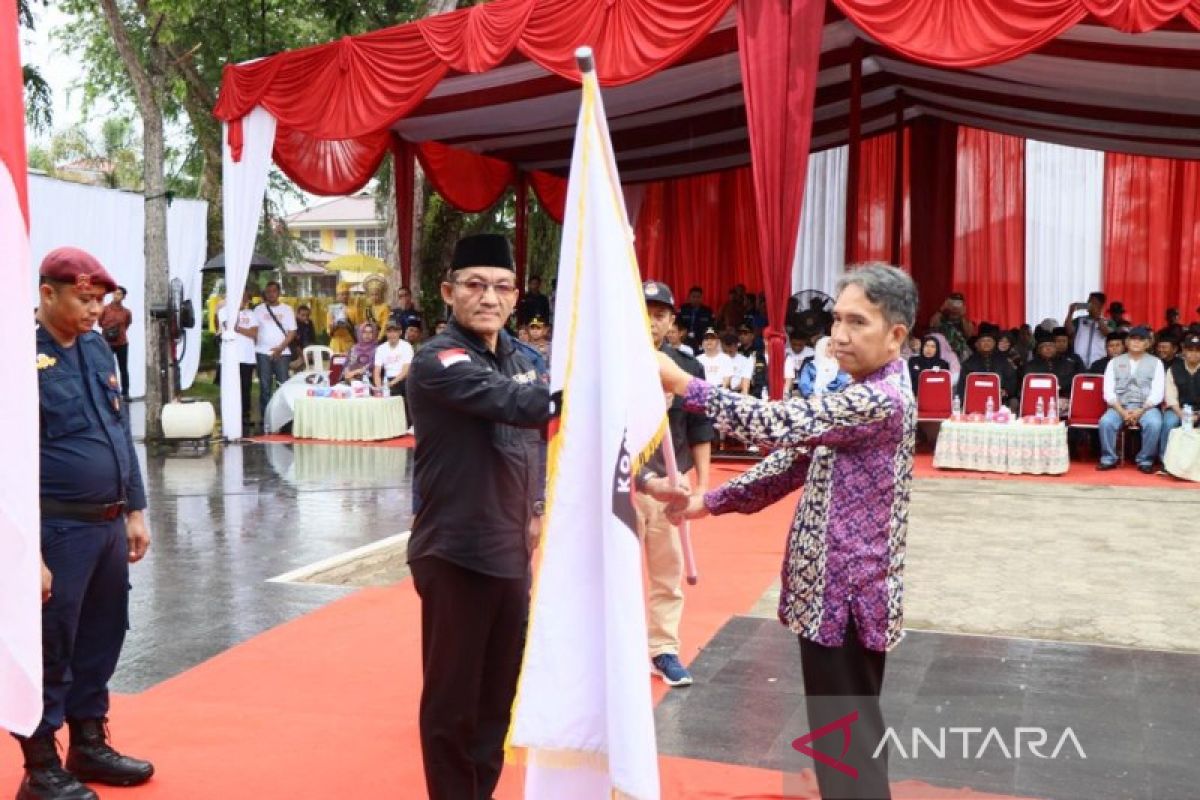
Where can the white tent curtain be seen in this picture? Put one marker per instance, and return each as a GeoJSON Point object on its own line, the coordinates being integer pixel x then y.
{"type": "Point", "coordinates": [821, 246]}
{"type": "Point", "coordinates": [1064, 227]}
{"type": "Point", "coordinates": [245, 184]}
{"type": "Point", "coordinates": [110, 224]}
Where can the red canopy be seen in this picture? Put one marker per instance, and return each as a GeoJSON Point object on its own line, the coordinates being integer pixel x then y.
{"type": "Point", "coordinates": [486, 95]}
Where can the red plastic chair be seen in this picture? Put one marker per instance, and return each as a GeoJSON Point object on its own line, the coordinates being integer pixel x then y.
{"type": "Point", "coordinates": [1036, 387]}
{"type": "Point", "coordinates": [1087, 401]}
{"type": "Point", "coordinates": [981, 386]}
{"type": "Point", "coordinates": [935, 394]}
{"type": "Point", "coordinates": [336, 365]}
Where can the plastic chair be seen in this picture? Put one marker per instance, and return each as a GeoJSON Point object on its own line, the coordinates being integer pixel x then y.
{"type": "Point", "coordinates": [317, 358]}
{"type": "Point", "coordinates": [935, 395]}
{"type": "Point", "coordinates": [1087, 402]}
{"type": "Point", "coordinates": [981, 386]}
{"type": "Point", "coordinates": [1039, 387]}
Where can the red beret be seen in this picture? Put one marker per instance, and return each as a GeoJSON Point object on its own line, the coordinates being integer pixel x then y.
{"type": "Point", "coordinates": [72, 265]}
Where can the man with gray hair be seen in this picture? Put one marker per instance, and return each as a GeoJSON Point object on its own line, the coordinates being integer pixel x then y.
{"type": "Point", "coordinates": [844, 567]}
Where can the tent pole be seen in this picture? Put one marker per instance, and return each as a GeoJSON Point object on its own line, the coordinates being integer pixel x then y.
{"type": "Point", "coordinates": [853, 154]}
{"type": "Point", "coordinates": [898, 182]}
{"type": "Point", "coordinates": [404, 178]}
{"type": "Point", "coordinates": [521, 235]}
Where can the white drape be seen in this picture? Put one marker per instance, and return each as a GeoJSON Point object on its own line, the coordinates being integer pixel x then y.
{"type": "Point", "coordinates": [821, 246]}
{"type": "Point", "coordinates": [245, 183]}
{"type": "Point", "coordinates": [111, 224]}
{"type": "Point", "coordinates": [1064, 222]}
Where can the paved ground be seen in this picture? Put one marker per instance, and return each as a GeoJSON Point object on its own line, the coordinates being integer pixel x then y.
{"type": "Point", "coordinates": [997, 574]}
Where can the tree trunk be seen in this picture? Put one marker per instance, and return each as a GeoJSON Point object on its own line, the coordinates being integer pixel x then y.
{"type": "Point", "coordinates": [148, 80]}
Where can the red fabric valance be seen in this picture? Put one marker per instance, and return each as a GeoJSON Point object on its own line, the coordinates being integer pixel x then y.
{"type": "Point", "coordinates": [334, 102]}
{"type": "Point", "coordinates": [976, 33]}
{"type": "Point", "coordinates": [468, 181]}
{"type": "Point", "coordinates": [551, 192]}
{"type": "Point", "coordinates": [1152, 235]}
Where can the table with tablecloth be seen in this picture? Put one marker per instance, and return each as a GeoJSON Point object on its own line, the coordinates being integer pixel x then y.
{"type": "Point", "coordinates": [363, 419]}
{"type": "Point", "coordinates": [1182, 456]}
{"type": "Point", "coordinates": [1014, 447]}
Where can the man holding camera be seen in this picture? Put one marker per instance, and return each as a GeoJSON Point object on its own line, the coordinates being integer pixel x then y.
{"type": "Point", "coordinates": [1089, 331]}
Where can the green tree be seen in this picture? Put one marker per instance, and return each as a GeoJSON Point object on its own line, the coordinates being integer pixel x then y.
{"type": "Point", "coordinates": [39, 102]}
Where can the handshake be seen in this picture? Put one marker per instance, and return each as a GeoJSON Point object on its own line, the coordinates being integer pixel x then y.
{"type": "Point", "coordinates": [682, 502]}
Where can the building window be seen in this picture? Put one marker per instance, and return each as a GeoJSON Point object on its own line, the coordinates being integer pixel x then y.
{"type": "Point", "coordinates": [310, 240]}
{"type": "Point", "coordinates": [340, 239]}
{"type": "Point", "coordinates": [369, 241]}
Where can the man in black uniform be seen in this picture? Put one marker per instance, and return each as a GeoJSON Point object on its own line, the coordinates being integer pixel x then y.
{"type": "Point", "coordinates": [477, 405]}
{"type": "Point", "coordinates": [691, 436]}
{"type": "Point", "coordinates": [92, 529]}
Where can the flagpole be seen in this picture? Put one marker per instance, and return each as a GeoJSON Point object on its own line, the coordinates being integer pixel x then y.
{"type": "Point", "coordinates": [685, 526]}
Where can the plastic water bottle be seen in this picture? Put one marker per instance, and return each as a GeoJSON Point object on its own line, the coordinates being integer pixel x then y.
{"type": "Point", "coordinates": [1040, 412]}
{"type": "Point", "coordinates": [1188, 419]}
{"type": "Point", "coordinates": [1052, 411]}
{"type": "Point", "coordinates": [989, 413]}
{"type": "Point", "coordinates": [956, 408]}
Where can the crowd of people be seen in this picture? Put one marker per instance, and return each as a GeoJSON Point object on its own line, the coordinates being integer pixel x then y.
{"type": "Point", "coordinates": [1151, 378]}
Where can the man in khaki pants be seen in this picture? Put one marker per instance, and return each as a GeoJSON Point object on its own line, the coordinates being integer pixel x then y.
{"type": "Point", "coordinates": [691, 435]}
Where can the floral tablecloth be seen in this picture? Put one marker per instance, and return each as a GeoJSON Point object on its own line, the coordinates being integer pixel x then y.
{"type": "Point", "coordinates": [360, 420]}
{"type": "Point", "coordinates": [1015, 448]}
{"type": "Point", "coordinates": [1182, 457]}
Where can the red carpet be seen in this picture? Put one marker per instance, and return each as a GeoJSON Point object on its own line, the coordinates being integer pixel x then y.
{"type": "Point", "coordinates": [326, 705]}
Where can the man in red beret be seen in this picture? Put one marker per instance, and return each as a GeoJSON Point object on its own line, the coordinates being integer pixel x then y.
{"type": "Point", "coordinates": [92, 502]}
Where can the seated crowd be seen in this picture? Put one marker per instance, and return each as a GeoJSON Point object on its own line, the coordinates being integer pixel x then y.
{"type": "Point", "coordinates": [1151, 379]}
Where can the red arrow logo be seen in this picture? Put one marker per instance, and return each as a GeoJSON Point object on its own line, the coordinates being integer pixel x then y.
{"type": "Point", "coordinates": [843, 724]}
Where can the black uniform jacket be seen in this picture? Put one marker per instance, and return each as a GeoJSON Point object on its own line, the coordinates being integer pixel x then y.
{"type": "Point", "coordinates": [87, 453]}
{"type": "Point", "coordinates": [478, 472]}
{"type": "Point", "coordinates": [686, 428]}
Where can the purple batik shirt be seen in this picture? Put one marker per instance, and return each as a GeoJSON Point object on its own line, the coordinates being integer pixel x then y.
{"type": "Point", "coordinates": [853, 452]}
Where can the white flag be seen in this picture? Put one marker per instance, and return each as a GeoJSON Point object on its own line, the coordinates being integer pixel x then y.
{"type": "Point", "coordinates": [20, 548]}
{"type": "Point", "coordinates": [583, 710]}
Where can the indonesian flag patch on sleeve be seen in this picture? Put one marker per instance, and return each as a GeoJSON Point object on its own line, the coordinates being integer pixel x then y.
{"type": "Point", "coordinates": [455, 355]}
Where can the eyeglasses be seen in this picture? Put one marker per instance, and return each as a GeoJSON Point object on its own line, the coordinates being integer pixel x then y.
{"type": "Point", "coordinates": [480, 287]}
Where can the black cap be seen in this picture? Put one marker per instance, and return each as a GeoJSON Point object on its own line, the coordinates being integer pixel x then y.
{"type": "Point", "coordinates": [745, 328]}
{"type": "Point", "coordinates": [728, 339]}
{"type": "Point", "coordinates": [1191, 340]}
{"type": "Point", "coordinates": [1043, 336]}
{"type": "Point", "coordinates": [1117, 307]}
{"type": "Point", "coordinates": [1059, 331]}
{"type": "Point", "coordinates": [1115, 336]}
{"type": "Point", "coordinates": [711, 334]}
{"type": "Point", "coordinates": [483, 250]}
{"type": "Point", "coordinates": [538, 321]}
{"type": "Point", "coordinates": [657, 292]}
{"type": "Point", "coordinates": [1140, 331]}
{"type": "Point", "coordinates": [1166, 335]}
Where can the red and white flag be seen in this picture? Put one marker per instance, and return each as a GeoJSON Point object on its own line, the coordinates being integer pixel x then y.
{"type": "Point", "coordinates": [20, 548]}
{"type": "Point", "coordinates": [583, 712]}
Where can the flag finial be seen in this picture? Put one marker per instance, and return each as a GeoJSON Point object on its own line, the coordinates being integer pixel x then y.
{"type": "Point", "coordinates": [587, 63]}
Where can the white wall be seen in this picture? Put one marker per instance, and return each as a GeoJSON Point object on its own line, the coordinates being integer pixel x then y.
{"type": "Point", "coordinates": [110, 224]}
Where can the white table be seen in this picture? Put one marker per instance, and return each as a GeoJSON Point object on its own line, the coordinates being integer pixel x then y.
{"type": "Point", "coordinates": [1013, 448]}
{"type": "Point", "coordinates": [1182, 456]}
{"type": "Point", "coordinates": [366, 419]}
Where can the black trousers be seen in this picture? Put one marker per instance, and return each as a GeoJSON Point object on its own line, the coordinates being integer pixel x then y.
{"type": "Point", "coordinates": [121, 351]}
{"type": "Point", "coordinates": [472, 638]}
{"type": "Point", "coordinates": [840, 681]}
{"type": "Point", "coordinates": [246, 376]}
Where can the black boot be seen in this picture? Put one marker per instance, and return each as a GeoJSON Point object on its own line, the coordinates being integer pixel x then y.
{"type": "Point", "coordinates": [91, 759]}
{"type": "Point", "coordinates": [45, 778]}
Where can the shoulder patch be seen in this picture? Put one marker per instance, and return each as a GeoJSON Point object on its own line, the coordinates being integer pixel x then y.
{"type": "Point", "coordinates": [45, 362]}
{"type": "Point", "coordinates": [452, 356]}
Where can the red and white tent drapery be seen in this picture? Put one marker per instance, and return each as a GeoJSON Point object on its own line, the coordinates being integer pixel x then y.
{"type": "Point", "coordinates": [495, 83]}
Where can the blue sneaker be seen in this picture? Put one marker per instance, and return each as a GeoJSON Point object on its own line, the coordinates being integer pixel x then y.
{"type": "Point", "coordinates": [668, 667]}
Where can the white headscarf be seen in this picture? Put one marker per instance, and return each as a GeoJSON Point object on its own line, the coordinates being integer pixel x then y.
{"type": "Point", "coordinates": [825, 364]}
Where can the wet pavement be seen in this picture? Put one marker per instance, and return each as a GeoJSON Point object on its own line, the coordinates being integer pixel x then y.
{"type": "Point", "coordinates": [227, 519]}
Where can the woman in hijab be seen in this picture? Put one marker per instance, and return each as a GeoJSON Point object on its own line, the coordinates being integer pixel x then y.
{"type": "Point", "coordinates": [819, 374]}
{"type": "Point", "coordinates": [945, 352]}
{"type": "Point", "coordinates": [362, 355]}
{"type": "Point", "coordinates": [930, 357]}
{"type": "Point", "coordinates": [1007, 347]}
